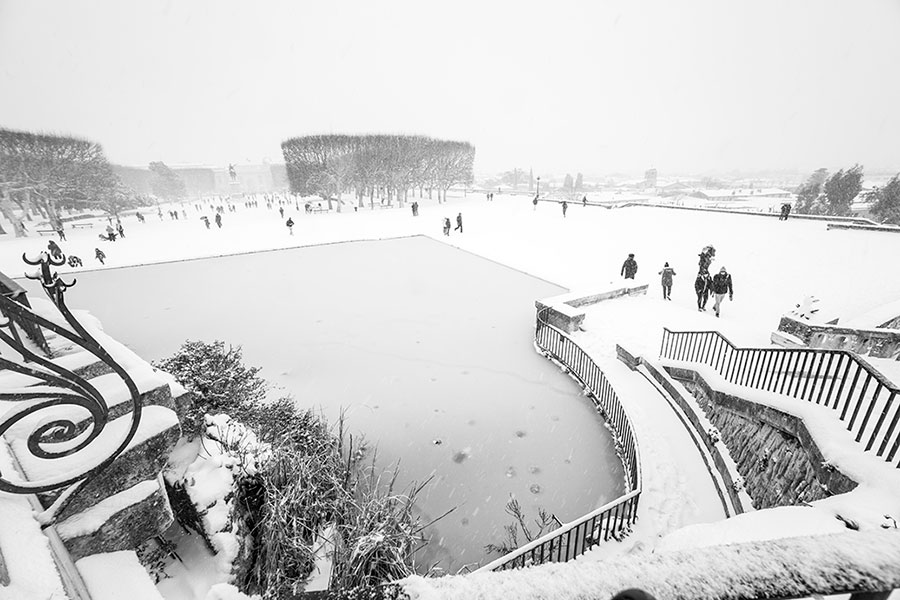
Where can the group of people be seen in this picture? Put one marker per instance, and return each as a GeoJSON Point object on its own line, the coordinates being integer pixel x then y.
{"type": "Point", "coordinates": [705, 285]}
{"type": "Point", "coordinates": [459, 224]}
{"type": "Point", "coordinates": [785, 211]}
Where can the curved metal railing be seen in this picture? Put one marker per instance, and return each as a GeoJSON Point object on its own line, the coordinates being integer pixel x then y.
{"type": "Point", "coordinates": [54, 436]}
{"type": "Point", "coordinates": [613, 519]}
{"type": "Point", "coordinates": [836, 379]}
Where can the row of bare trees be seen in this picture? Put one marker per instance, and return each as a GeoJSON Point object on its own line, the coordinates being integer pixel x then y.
{"type": "Point", "coordinates": [387, 167]}
{"type": "Point", "coordinates": [46, 173]}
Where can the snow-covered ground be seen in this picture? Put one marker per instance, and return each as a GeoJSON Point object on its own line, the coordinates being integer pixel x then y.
{"type": "Point", "coordinates": [775, 265]}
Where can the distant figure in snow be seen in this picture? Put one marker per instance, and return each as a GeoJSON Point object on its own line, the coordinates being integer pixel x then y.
{"type": "Point", "coordinates": [565, 207]}
{"type": "Point", "coordinates": [584, 201]}
{"type": "Point", "coordinates": [61, 233]}
{"type": "Point", "coordinates": [205, 220]}
{"type": "Point", "coordinates": [703, 288]}
{"type": "Point", "coordinates": [98, 253]}
{"type": "Point", "coordinates": [721, 285]}
{"type": "Point", "coordinates": [74, 261]}
{"type": "Point", "coordinates": [535, 201]}
{"type": "Point", "coordinates": [121, 230]}
{"type": "Point", "coordinates": [281, 211]}
{"type": "Point", "coordinates": [785, 211]}
{"type": "Point", "coordinates": [219, 220]}
{"type": "Point", "coordinates": [629, 267]}
{"type": "Point", "coordinates": [55, 250]}
{"type": "Point", "coordinates": [667, 273]}
{"type": "Point", "coordinates": [458, 223]}
{"type": "Point", "coordinates": [706, 257]}
{"type": "Point", "coordinates": [290, 225]}
{"type": "Point", "coordinates": [139, 216]}
{"type": "Point", "coordinates": [447, 225]}
{"type": "Point", "coordinates": [159, 212]}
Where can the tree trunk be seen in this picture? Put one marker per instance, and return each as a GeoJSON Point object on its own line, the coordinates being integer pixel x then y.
{"type": "Point", "coordinates": [8, 209]}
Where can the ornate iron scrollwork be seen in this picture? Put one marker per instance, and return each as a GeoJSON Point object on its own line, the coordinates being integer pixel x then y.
{"type": "Point", "coordinates": [52, 438]}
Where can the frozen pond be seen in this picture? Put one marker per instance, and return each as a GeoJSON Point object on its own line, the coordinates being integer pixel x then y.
{"type": "Point", "coordinates": [429, 348]}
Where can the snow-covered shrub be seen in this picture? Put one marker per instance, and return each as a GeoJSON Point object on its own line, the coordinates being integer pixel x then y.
{"type": "Point", "coordinates": [218, 378]}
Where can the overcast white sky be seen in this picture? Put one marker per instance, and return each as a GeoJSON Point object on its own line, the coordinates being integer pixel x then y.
{"type": "Point", "coordinates": [593, 86]}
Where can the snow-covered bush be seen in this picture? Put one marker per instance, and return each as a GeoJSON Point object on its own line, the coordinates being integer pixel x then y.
{"type": "Point", "coordinates": [218, 378]}
{"type": "Point", "coordinates": [261, 480]}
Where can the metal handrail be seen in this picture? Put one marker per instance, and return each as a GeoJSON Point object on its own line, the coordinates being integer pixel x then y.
{"type": "Point", "coordinates": [835, 379]}
{"type": "Point", "coordinates": [612, 519]}
{"type": "Point", "coordinates": [53, 438]}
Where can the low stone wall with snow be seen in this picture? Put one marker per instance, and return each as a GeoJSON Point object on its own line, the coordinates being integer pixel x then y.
{"type": "Point", "coordinates": [879, 343]}
{"type": "Point", "coordinates": [773, 450]}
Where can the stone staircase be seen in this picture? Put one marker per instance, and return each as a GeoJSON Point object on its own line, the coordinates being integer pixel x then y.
{"type": "Point", "coordinates": [117, 508]}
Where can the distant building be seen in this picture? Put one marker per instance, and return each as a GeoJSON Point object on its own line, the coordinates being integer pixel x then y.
{"type": "Point", "coordinates": [741, 194]}
{"type": "Point", "coordinates": [650, 178]}
{"type": "Point", "coordinates": [208, 181]}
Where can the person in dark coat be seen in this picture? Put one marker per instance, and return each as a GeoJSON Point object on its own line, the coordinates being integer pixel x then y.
{"type": "Point", "coordinates": [447, 225]}
{"type": "Point", "coordinates": [565, 207]}
{"type": "Point", "coordinates": [667, 273]}
{"type": "Point", "coordinates": [458, 223]}
{"type": "Point", "coordinates": [219, 220]}
{"type": "Point", "coordinates": [55, 250]}
{"type": "Point", "coordinates": [101, 256]}
{"type": "Point", "coordinates": [703, 287]}
{"type": "Point", "coordinates": [205, 220]}
{"type": "Point", "coordinates": [61, 233]}
{"type": "Point", "coordinates": [629, 267]}
{"type": "Point", "coordinates": [721, 285]}
{"type": "Point", "coordinates": [121, 230]}
{"type": "Point", "coordinates": [290, 225]}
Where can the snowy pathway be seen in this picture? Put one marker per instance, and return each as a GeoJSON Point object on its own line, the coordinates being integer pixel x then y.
{"type": "Point", "coordinates": [677, 488]}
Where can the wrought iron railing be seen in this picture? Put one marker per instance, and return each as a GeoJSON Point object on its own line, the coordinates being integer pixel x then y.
{"type": "Point", "coordinates": [56, 435]}
{"type": "Point", "coordinates": [613, 520]}
{"type": "Point", "coordinates": [835, 379]}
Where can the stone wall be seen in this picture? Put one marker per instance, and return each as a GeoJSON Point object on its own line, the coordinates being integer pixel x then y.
{"type": "Point", "coordinates": [774, 452]}
{"type": "Point", "coordinates": [879, 343]}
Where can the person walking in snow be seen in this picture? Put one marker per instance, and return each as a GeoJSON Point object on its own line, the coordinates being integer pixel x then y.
{"type": "Point", "coordinates": [721, 285]}
{"type": "Point", "coordinates": [219, 220]}
{"type": "Point", "coordinates": [565, 207]}
{"type": "Point", "coordinates": [447, 226]}
{"type": "Point", "coordinates": [703, 288]}
{"type": "Point", "coordinates": [55, 250]}
{"type": "Point", "coordinates": [667, 273]}
{"type": "Point", "coordinates": [458, 223]}
{"type": "Point", "coordinates": [629, 267]}
{"type": "Point", "coordinates": [139, 216]}
{"type": "Point", "coordinates": [584, 201]}
{"type": "Point", "coordinates": [706, 257]}
{"type": "Point", "coordinates": [121, 230]}
{"type": "Point", "coordinates": [99, 254]}
{"type": "Point", "coordinates": [281, 211]}
{"type": "Point", "coordinates": [290, 225]}
{"type": "Point", "coordinates": [205, 220]}
{"type": "Point", "coordinates": [61, 233]}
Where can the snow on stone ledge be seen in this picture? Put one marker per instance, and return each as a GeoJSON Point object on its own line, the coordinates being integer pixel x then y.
{"type": "Point", "coordinates": [89, 521]}
{"type": "Point", "coordinates": [116, 576]}
{"type": "Point", "coordinates": [787, 568]}
{"type": "Point", "coordinates": [26, 551]}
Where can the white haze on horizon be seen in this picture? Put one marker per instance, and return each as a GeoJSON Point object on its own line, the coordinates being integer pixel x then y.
{"type": "Point", "coordinates": [596, 87]}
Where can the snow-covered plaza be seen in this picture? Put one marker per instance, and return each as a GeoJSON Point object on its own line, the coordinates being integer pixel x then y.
{"type": "Point", "coordinates": [775, 266]}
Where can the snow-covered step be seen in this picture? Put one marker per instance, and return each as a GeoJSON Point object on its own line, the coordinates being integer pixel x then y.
{"type": "Point", "coordinates": [144, 457]}
{"type": "Point", "coordinates": [122, 521]}
{"type": "Point", "coordinates": [27, 566]}
{"type": "Point", "coordinates": [117, 575]}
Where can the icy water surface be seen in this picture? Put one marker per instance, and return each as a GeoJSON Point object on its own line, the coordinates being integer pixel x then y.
{"type": "Point", "coordinates": [429, 349]}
